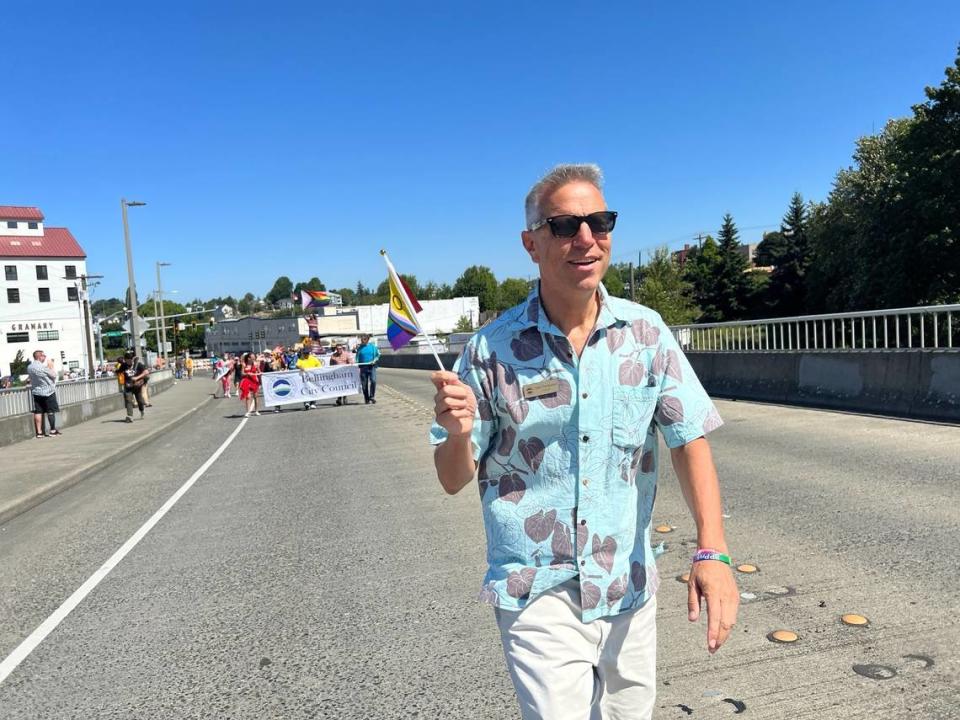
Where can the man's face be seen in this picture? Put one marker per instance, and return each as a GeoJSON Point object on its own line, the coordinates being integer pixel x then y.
{"type": "Point", "coordinates": [576, 263]}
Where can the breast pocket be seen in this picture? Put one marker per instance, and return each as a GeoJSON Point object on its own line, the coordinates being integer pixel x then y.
{"type": "Point", "coordinates": [633, 409]}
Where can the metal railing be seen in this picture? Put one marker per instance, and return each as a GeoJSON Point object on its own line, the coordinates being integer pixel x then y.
{"type": "Point", "coordinates": [19, 400]}
{"type": "Point", "coordinates": [936, 327]}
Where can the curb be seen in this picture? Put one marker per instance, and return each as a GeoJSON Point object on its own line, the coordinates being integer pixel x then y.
{"type": "Point", "coordinates": [45, 492]}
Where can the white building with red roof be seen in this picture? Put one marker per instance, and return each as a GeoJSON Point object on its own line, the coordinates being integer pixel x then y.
{"type": "Point", "coordinates": [40, 290]}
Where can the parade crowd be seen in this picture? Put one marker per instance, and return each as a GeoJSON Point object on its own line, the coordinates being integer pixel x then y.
{"type": "Point", "coordinates": [241, 375]}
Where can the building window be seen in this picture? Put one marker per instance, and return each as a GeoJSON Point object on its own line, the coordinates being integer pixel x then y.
{"type": "Point", "coordinates": [12, 224]}
{"type": "Point", "coordinates": [44, 294]}
{"type": "Point", "coordinates": [42, 272]}
{"type": "Point", "coordinates": [43, 335]}
{"type": "Point", "coordinates": [72, 294]}
{"type": "Point", "coordinates": [32, 225]}
{"type": "Point", "coordinates": [18, 337]}
{"type": "Point", "coordinates": [71, 272]}
{"type": "Point", "coordinates": [10, 271]}
{"type": "Point", "coordinates": [13, 295]}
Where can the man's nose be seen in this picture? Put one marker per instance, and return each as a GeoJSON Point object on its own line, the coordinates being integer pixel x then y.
{"type": "Point", "coordinates": [584, 236]}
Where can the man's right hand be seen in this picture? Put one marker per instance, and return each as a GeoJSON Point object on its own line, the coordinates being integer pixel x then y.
{"type": "Point", "coordinates": [455, 404]}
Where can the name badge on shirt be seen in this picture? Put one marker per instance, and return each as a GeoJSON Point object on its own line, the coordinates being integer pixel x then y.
{"type": "Point", "coordinates": [541, 389]}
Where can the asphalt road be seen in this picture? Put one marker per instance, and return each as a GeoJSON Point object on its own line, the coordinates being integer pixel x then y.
{"type": "Point", "coordinates": [316, 570]}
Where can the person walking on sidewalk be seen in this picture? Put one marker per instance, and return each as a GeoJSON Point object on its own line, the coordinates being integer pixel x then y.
{"type": "Point", "coordinates": [368, 355]}
{"type": "Point", "coordinates": [556, 406]}
{"type": "Point", "coordinates": [340, 356]}
{"type": "Point", "coordinates": [135, 374]}
{"type": "Point", "coordinates": [43, 389]}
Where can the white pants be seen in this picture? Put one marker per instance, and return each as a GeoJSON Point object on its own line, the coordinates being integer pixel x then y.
{"type": "Point", "coordinates": [565, 669]}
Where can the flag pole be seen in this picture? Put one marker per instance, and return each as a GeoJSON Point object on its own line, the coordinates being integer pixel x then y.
{"type": "Point", "coordinates": [409, 307]}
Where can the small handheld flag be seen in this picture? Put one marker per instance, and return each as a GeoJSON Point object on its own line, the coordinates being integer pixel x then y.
{"type": "Point", "coordinates": [402, 322]}
{"type": "Point", "coordinates": [314, 299]}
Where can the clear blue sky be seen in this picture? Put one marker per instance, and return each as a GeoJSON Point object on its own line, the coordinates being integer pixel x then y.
{"type": "Point", "coordinates": [298, 138]}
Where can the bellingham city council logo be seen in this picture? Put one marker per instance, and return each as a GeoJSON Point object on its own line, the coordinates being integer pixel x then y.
{"type": "Point", "coordinates": [282, 388]}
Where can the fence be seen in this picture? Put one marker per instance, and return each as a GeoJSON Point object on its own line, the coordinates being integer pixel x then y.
{"type": "Point", "coordinates": [19, 400]}
{"type": "Point", "coordinates": [927, 328]}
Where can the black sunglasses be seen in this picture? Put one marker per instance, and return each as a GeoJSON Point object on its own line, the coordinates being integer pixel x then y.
{"type": "Point", "coordinates": [564, 226]}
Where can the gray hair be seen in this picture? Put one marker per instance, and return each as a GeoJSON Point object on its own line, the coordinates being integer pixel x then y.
{"type": "Point", "coordinates": [559, 176]}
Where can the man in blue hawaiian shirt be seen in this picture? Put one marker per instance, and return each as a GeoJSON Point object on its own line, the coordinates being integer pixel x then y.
{"type": "Point", "coordinates": [555, 407]}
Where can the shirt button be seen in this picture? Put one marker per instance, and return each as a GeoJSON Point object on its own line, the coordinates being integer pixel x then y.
{"type": "Point", "coordinates": [583, 563]}
{"type": "Point", "coordinates": [586, 438]}
{"type": "Point", "coordinates": [584, 396]}
{"type": "Point", "coordinates": [586, 481]}
{"type": "Point", "coordinates": [583, 522]}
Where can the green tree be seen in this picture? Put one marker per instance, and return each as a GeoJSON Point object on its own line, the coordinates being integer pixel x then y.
{"type": "Point", "coordinates": [348, 296]}
{"type": "Point", "coordinates": [731, 283]}
{"type": "Point", "coordinates": [613, 282]}
{"type": "Point", "coordinates": [479, 281]}
{"type": "Point", "coordinates": [247, 304]}
{"type": "Point", "coordinates": [787, 292]}
{"type": "Point", "coordinates": [463, 325]}
{"type": "Point", "coordinates": [445, 292]}
{"type": "Point", "coordinates": [19, 365]}
{"type": "Point", "coordinates": [663, 288]}
{"type": "Point", "coordinates": [702, 272]}
{"type": "Point", "coordinates": [281, 290]}
{"type": "Point", "coordinates": [513, 291]}
{"type": "Point", "coordinates": [106, 307]}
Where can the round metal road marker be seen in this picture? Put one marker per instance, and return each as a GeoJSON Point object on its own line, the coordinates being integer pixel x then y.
{"type": "Point", "coordinates": [854, 620]}
{"type": "Point", "coordinates": [747, 568]}
{"type": "Point", "coordinates": [663, 528]}
{"type": "Point", "coordinates": [783, 636]}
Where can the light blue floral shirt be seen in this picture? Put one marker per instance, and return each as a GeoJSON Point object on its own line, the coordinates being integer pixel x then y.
{"type": "Point", "coordinates": [568, 478]}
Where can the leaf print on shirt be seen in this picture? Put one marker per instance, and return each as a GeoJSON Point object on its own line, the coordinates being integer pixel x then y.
{"type": "Point", "coordinates": [673, 366]}
{"type": "Point", "coordinates": [659, 364]}
{"type": "Point", "coordinates": [645, 333]}
{"type": "Point", "coordinates": [561, 546]}
{"type": "Point", "coordinates": [507, 437]}
{"type": "Point", "coordinates": [527, 345]}
{"type": "Point", "coordinates": [561, 348]}
{"type": "Point", "coordinates": [603, 551]}
{"type": "Point", "coordinates": [589, 595]}
{"type": "Point", "coordinates": [669, 410]}
{"type": "Point", "coordinates": [518, 410]}
{"type": "Point", "coordinates": [631, 372]}
{"type": "Point", "coordinates": [646, 462]}
{"type": "Point", "coordinates": [638, 575]}
{"type": "Point", "coordinates": [532, 452]}
{"type": "Point", "coordinates": [519, 583]}
{"type": "Point", "coordinates": [617, 589]}
{"type": "Point", "coordinates": [533, 310]}
{"type": "Point", "coordinates": [511, 488]}
{"type": "Point", "coordinates": [562, 396]}
{"type": "Point", "coordinates": [615, 337]}
{"type": "Point", "coordinates": [539, 525]}
{"type": "Point", "coordinates": [484, 408]}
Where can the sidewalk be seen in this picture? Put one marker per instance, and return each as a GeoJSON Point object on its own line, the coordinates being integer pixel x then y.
{"type": "Point", "coordinates": [36, 469]}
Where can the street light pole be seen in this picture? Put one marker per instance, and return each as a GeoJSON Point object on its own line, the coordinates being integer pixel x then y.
{"type": "Point", "coordinates": [132, 300]}
{"type": "Point", "coordinates": [156, 327]}
{"type": "Point", "coordinates": [163, 324]}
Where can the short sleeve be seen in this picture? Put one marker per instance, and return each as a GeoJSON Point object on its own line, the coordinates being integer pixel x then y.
{"type": "Point", "coordinates": [684, 410]}
{"type": "Point", "coordinates": [471, 369]}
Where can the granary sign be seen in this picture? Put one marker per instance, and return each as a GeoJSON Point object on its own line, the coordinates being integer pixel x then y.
{"type": "Point", "coordinates": [31, 326]}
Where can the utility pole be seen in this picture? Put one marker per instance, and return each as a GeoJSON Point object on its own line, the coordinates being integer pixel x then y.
{"type": "Point", "coordinates": [633, 285]}
{"type": "Point", "coordinates": [131, 281]}
{"type": "Point", "coordinates": [163, 324]}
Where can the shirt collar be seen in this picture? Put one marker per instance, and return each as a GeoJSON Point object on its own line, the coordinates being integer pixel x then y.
{"type": "Point", "coordinates": [533, 314]}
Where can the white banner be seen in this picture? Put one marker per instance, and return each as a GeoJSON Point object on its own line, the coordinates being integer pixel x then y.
{"type": "Point", "coordinates": [300, 386]}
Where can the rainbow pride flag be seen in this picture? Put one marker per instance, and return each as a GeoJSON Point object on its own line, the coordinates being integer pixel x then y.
{"type": "Point", "coordinates": [314, 298]}
{"type": "Point", "coordinates": [402, 324]}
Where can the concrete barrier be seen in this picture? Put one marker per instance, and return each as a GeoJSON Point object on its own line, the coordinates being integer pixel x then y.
{"type": "Point", "coordinates": [20, 427]}
{"type": "Point", "coordinates": [922, 384]}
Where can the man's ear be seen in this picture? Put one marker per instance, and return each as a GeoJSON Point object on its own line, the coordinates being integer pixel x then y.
{"type": "Point", "coordinates": [526, 237]}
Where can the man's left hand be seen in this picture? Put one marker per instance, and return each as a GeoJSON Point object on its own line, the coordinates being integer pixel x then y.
{"type": "Point", "coordinates": [712, 581]}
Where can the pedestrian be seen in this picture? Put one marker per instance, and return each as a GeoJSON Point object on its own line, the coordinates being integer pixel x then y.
{"type": "Point", "coordinates": [188, 365]}
{"type": "Point", "coordinates": [250, 383]}
{"type": "Point", "coordinates": [237, 374]}
{"type": "Point", "coordinates": [340, 356]}
{"type": "Point", "coordinates": [43, 388]}
{"type": "Point", "coordinates": [135, 374]}
{"type": "Point", "coordinates": [308, 361]}
{"type": "Point", "coordinates": [368, 356]}
{"type": "Point", "coordinates": [556, 406]}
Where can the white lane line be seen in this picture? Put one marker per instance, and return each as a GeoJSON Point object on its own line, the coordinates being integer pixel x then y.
{"type": "Point", "coordinates": [24, 649]}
